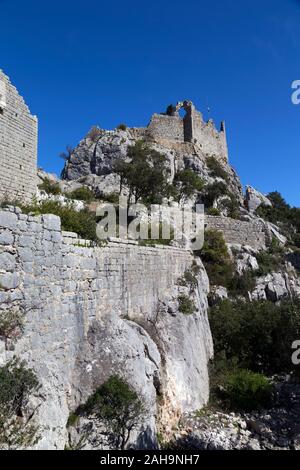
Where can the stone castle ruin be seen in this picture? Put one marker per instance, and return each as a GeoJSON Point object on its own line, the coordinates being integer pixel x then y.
{"type": "Point", "coordinates": [18, 145]}
{"type": "Point", "coordinates": [185, 135]}
{"type": "Point", "coordinates": [191, 128]}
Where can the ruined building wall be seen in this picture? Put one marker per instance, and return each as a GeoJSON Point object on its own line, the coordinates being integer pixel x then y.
{"type": "Point", "coordinates": [192, 128]}
{"type": "Point", "coordinates": [166, 127]}
{"type": "Point", "coordinates": [18, 144]}
{"type": "Point", "coordinates": [238, 231]}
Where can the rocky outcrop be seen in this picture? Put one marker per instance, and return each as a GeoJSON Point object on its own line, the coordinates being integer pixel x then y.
{"type": "Point", "coordinates": [90, 313]}
{"type": "Point", "coordinates": [254, 199]}
{"type": "Point", "coordinates": [277, 286]}
{"type": "Point", "coordinates": [94, 158]}
{"type": "Point", "coordinates": [276, 428]}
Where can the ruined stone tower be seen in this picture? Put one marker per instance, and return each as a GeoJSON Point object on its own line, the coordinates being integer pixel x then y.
{"type": "Point", "coordinates": [191, 128]}
{"type": "Point", "coordinates": [18, 144]}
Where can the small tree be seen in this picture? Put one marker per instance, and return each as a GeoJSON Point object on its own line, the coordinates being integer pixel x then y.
{"type": "Point", "coordinates": [216, 169]}
{"type": "Point", "coordinates": [50, 187]}
{"type": "Point", "coordinates": [95, 134]}
{"type": "Point", "coordinates": [145, 174]}
{"type": "Point", "coordinates": [187, 183]}
{"type": "Point", "coordinates": [17, 383]}
{"type": "Point", "coordinates": [216, 259]}
{"type": "Point", "coordinates": [118, 407]}
{"type": "Point", "coordinates": [171, 109]}
{"type": "Point", "coordinates": [81, 194]}
{"type": "Point", "coordinates": [122, 127]}
{"type": "Point", "coordinates": [67, 154]}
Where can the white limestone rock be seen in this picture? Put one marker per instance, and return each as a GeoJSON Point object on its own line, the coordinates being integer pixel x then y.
{"type": "Point", "coordinates": [254, 199]}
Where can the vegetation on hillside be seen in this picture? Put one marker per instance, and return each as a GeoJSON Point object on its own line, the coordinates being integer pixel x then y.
{"type": "Point", "coordinates": [116, 406]}
{"type": "Point", "coordinates": [250, 338]}
{"type": "Point", "coordinates": [216, 169]}
{"type": "Point", "coordinates": [17, 384]}
{"type": "Point", "coordinates": [145, 174]}
{"type": "Point", "coordinates": [216, 259]}
{"type": "Point", "coordinates": [50, 187]}
{"type": "Point", "coordinates": [283, 215]}
{"type": "Point", "coordinates": [81, 222]}
{"type": "Point", "coordinates": [186, 184]}
{"type": "Point", "coordinates": [81, 194]}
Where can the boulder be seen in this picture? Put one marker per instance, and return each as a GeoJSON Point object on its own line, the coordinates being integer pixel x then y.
{"type": "Point", "coordinates": [254, 199]}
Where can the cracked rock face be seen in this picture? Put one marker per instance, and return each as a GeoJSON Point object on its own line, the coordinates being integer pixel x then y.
{"type": "Point", "coordinates": [276, 286]}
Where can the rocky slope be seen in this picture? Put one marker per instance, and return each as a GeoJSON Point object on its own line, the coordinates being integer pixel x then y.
{"type": "Point", "coordinates": [91, 162]}
{"type": "Point", "coordinates": [276, 428]}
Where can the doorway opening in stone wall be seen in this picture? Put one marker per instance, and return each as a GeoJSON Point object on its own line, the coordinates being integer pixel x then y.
{"type": "Point", "coordinates": [185, 114]}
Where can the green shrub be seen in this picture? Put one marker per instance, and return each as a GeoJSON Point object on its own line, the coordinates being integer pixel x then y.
{"type": "Point", "coordinates": [246, 390]}
{"type": "Point", "coordinates": [231, 206]}
{"type": "Point", "coordinates": [213, 192]}
{"type": "Point", "coordinates": [81, 194]}
{"type": "Point", "coordinates": [269, 262]}
{"type": "Point", "coordinates": [189, 279]}
{"type": "Point", "coordinates": [242, 284]}
{"type": "Point", "coordinates": [216, 169]}
{"type": "Point", "coordinates": [186, 184]}
{"type": "Point", "coordinates": [216, 259]}
{"type": "Point", "coordinates": [17, 384]}
{"type": "Point", "coordinates": [214, 247]}
{"type": "Point", "coordinates": [72, 420]}
{"type": "Point", "coordinates": [118, 407]}
{"type": "Point", "coordinates": [82, 222]}
{"type": "Point", "coordinates": [113, 198]}
{"type": "Point", "coordinates": [11, 323]}
{"type": "Point", "coordinates": [50, 187]}
{"type": "Point", "coordinates": [257, 335]}
{"type": "Point", "coordinates": [122, 127]}
{"type": "Point", "coordinates": [283, 215]}
{"type": "Point", "coordinates": [213, 211]}
{"type": "Point", "coordinates": [144, 173]}
{"type": "Point", "coordinates": [186, 305]}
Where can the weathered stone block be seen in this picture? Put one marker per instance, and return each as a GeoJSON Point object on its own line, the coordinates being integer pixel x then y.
{"type": "Point", "coordinates": [8, 220]}
{"type": "Point", "coordinates": [6, 238]}
{"type": "Point", "coordinates": [51, 222]}
{"type": "Point", "coordinates": [9, 280]}
{"type": "Point", "coordinates": [7, 262]}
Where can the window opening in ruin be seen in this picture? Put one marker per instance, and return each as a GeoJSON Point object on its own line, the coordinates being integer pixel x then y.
{"type": "Point", "coordinates": [182, 113]}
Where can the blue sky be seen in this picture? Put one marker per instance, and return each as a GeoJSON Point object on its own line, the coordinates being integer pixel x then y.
{"type": "Point", "coordinates": [81, 63]}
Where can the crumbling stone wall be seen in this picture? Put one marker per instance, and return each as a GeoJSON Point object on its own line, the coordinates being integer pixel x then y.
{"type": "Point", "coordinates": [192, 128]}
{"type": "Point", "coordinates": [237, 231]}
{"type": "Point", "coordinates": [166, 127]}
{"type": "Point", "coordinates": [18, 144]}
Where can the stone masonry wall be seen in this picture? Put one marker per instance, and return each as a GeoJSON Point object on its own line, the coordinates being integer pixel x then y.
{"type": "Point", "coordinates": [18, 144]}
{"type": "Point", "coordinates": [237, 231]}
{"type": "Point", "coordinates": [166, 127]}
{"type": "Point", "coordinates": [86, 312]}
{"type": "Point", "coordinates": [193, 129]}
